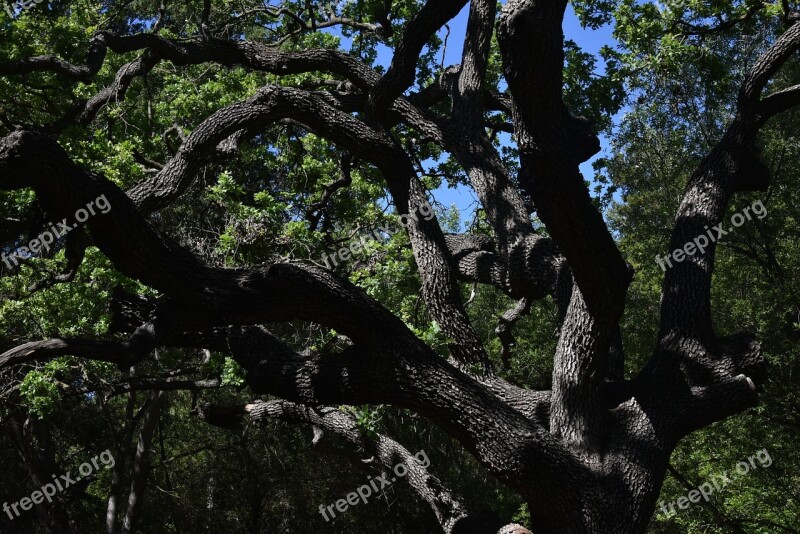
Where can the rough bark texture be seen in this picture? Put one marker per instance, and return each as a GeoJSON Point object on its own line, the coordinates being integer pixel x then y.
{"type": "Point", "coordinates": [141, 464]}
{"type": "Point", "coordinates": [588, 456]}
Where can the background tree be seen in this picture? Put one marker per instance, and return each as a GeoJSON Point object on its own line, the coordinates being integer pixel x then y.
{"type": "Point", "coordinates": [238, 143]}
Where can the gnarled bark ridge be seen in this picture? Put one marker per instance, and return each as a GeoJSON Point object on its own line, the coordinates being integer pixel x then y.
{"type": "Point", "coordinates": [590, 455]}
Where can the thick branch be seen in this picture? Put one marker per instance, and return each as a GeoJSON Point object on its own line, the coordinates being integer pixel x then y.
{"type": "Point", "coordinates": [779, 102]}
{"type": "Point", "coordinates": [685, 307]}
{"type": "Point", "coordinates": [449, 508]}
{"type": "Point", "coordinates": [767, 65]}
{"type": "Point", "coordinates": [552, 144]}
{"type": "Point", "coordinates": [390, 366]}
{"type": "Point", "coordinates": [83, 73]}
{"type": "Point", "coordinates": [106, 351]}
{"type": "Point", "coordinates": [312, 109]}
{"type": "Point", "coordinates": [417, 32]}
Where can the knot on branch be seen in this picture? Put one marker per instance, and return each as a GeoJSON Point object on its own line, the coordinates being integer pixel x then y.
{"type": "Point", "coordinates": [533, 267]}
{"type": "Point", "coordinates": [580, 140]}
{"type": "Point", "coordinates": [742, 355]}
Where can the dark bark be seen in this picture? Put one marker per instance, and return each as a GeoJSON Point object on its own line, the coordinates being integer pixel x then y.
{"type": "Point", "coordinates": [31, 437]}
{"type": "Point", "coordinates": [141, 462]}
{"type": "Point", "coordinates": [448, 508]}
{"type": "Point", "coordinates": [588, 456]}
{"type": "Point", "coordinates": [112, 526]}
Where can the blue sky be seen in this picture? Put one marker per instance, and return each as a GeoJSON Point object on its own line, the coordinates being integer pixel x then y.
{"type": "Point", "coordinates": [589, 40]}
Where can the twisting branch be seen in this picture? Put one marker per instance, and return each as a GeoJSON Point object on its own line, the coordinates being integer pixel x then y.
{"type": "Point", "coordinates": [703, 30]}
{"type": "Point", "coordinates": [779, 102]}
{"type": "Point", "coordinates": [79, 73]}
{"type": "Point", "coordinates": [552, 144]}
{"type": "Point", "coordinates": [388, 364]}
{"type": "Point", "coordinates": [417, 32]}
{"type": "Point", "coordinates": [583, 429]}
{"type": "Point", "coordinates": [685, 308]}
{"type": "Point", "coordinates": [708, 378]}
{"type": "Point", "coordinates": [766, 67]}
{"type": "Point", "coordinates": [272, 103]}
{"type": "Point", "coordinates": [448, 507]}
{"type": "Point", "coordinates": [83, 113]}
{"type": "Point", "coordinates": [467, 138]}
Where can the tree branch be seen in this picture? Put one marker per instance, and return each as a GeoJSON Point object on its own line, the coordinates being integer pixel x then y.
{"type": "Point", "coordinates": [448, 507]}
{"type": "Point", "coordinates": [779, 102]}
{"type": "Point", "coordinates": [417, 32]}
{"type": "Point", "coordinates": [79, 73]}
{"type": "Point", "coordinates": [552, 144]}
{"type": "Point", "coordinates": [106, 351]}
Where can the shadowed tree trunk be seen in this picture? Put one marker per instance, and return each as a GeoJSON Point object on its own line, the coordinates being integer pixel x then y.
{"type": "Point", "coordinates": [141, 465]}
{"type": "Point", "coordinates": [590, 455]}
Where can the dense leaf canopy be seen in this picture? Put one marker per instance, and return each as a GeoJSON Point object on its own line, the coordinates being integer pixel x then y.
{"type": "Point", "coordinates": [273, 296]}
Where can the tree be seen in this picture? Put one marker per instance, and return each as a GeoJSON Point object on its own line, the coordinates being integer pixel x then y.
{"type": "Point", "coordinates": [588, 455]}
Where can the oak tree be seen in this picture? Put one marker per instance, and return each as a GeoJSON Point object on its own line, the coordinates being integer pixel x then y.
{"type": "Point", "coordinates": [588, 455]}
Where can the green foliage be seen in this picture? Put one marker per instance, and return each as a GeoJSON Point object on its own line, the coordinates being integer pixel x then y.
{"type": "Point", "coordinates": [434, 337]}
{"type": "Point", "coordinates": [39, 389]}
{"type": "Point", "coordinates": [233, 374]}
{"type": "Point", "coordinates": [684, 90]}
{"type": "Point", "coordinates": [676, 90]}
{"type": "Point", "coordinates": [368, 419]}
{"type": "Point", "coordinates": [596, 96]}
